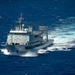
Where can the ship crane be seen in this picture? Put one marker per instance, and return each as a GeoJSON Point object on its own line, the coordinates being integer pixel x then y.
{"type": "Point", "coordinates": [44, 28]}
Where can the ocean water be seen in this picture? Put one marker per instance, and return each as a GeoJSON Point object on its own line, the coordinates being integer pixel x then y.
{"type": "Point", "coordinates": [59, 16]}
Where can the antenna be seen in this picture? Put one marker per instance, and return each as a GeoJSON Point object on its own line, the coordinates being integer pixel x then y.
{"type": "Point", "coordinates": [20, 18]}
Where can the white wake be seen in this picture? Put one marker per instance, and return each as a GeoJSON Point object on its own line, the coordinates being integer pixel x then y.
{"type": "Point", "coordinates": [28, 54]}
{"type": "Point", "coordinates": [63, 35]}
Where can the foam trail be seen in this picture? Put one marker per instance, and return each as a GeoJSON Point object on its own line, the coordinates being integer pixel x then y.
{"type": "Point", "coordinates": [42, 51]}
{"type": "Point", "coordinates": [64, 36]}
{"type": "Point", "coordinates": [29, 54]}
{"type": "Point", "coordinates": [4, 51]}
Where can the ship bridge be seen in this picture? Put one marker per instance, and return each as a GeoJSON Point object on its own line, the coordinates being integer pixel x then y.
{"type": "Point", "coordinates": [19, 31]}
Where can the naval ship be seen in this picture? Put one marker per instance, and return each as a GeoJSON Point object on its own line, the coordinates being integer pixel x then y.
{"type": "Point", "coordinates": [21, 39]}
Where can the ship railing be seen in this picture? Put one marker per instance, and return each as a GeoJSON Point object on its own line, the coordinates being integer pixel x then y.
{"type": "Point", "coordinates": [16, 44]}
{"type": "Point", "coordinates": [45, 40]}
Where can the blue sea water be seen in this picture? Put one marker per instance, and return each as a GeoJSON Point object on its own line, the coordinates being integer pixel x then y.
{"type": "Point", "coordinates": [59, 16]}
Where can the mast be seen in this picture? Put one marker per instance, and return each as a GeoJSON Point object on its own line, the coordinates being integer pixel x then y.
{"type": "Point", "coordinates": [20, 19]}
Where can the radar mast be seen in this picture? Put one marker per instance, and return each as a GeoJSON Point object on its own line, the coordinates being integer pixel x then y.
{"type": "Point", "coordinates": [20, 19]}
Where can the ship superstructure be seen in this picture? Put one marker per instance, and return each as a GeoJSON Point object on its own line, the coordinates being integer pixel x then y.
{"type": "Point", "coordinates": [21, 39]}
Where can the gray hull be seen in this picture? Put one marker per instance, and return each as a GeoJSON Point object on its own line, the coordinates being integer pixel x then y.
{"type": "Point", "coordinates": [20, 49]}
